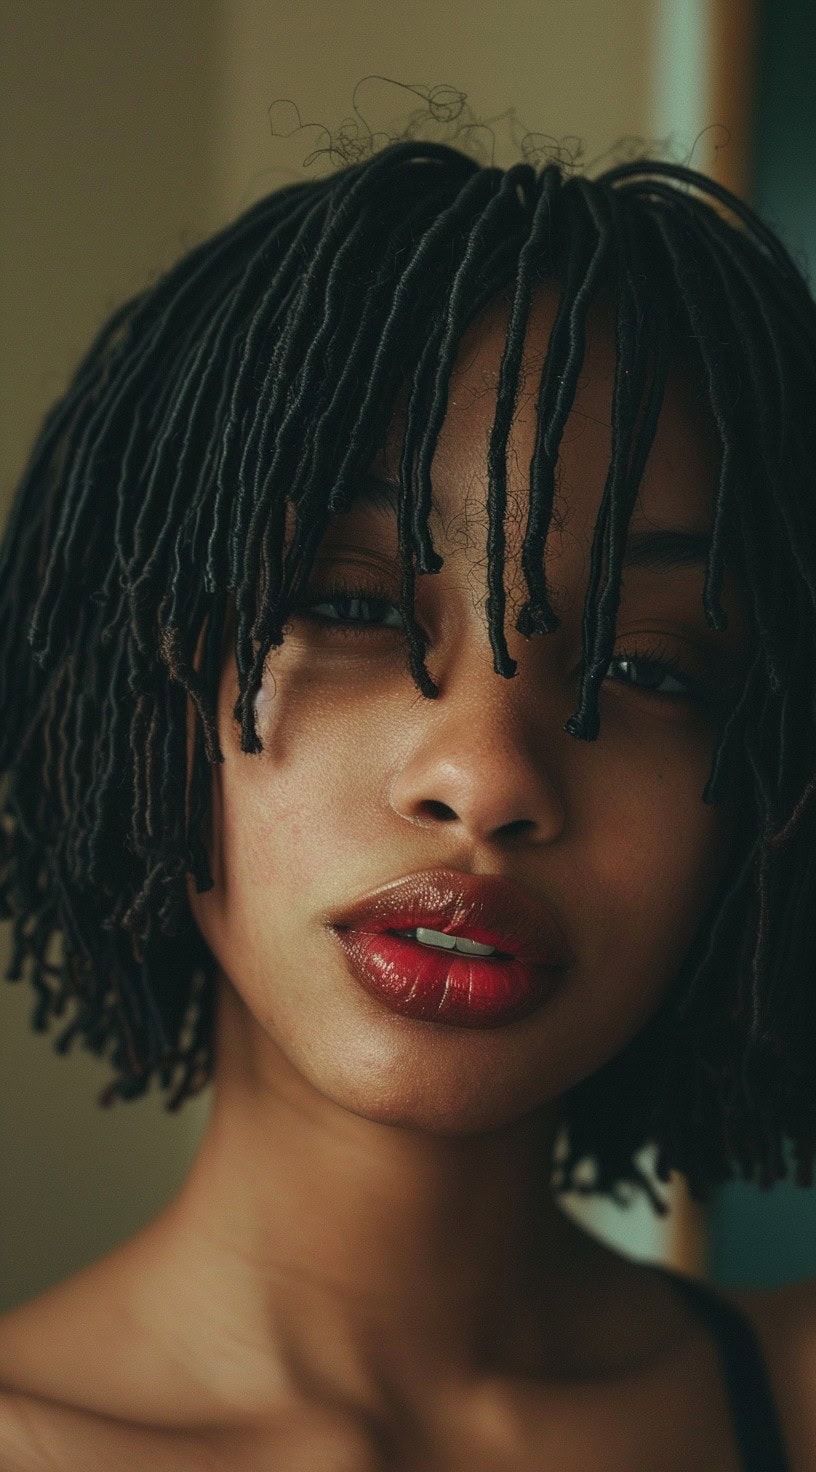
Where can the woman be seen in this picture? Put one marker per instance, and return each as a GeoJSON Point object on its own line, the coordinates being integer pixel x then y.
{"type": "Point", "coordinates": [407, 690]}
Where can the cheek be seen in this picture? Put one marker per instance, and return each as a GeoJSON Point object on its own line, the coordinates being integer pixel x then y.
{"type": "Point", "coordinates": [636, 877]}
{"type": "Point", "coordinates": [656, 858]}
{"type": "Point", "coordinates": [277, 829]}
{"type": "Point", "coordinates": [283, 819]}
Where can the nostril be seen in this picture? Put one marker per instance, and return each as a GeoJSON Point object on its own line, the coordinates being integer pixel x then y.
{"type": "Point", "coordinates": [519, 825]}
{"type": "Point", "coordinates": [439, 810]}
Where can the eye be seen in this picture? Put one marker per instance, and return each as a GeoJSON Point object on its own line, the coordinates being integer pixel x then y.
{"type": "Point", "coordinates": [359, 611]}
{"type": "Point", "coordinates": [354, 612]}
{"type": "Point", "coordinates": [656, 672]}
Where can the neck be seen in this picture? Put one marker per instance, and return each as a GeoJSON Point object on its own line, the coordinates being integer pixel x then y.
{"type": "Point", "coordinates": [374, 1253]}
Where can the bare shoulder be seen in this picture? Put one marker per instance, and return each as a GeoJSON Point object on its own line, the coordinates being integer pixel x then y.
{"type": "Point", "coordinates": [76, 1389]}
{"type": "Point", "coordinates": [784, 1320]}
{"type": "Point", "coordinates": [37, 1435]}
{"type": "Point", "coordinates": [19, 1447]}
{"type": "Point", "coordinates": [41, 1436]}
{"type": "Point", "coordinates": [81, 1387]}
{"type": "Point", "coordinates": [51, 1344]}
{"type": "Point", "coordinates": [85, 1343]}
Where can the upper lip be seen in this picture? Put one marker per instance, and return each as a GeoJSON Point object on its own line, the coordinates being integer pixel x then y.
{"type": "Point", "coordinates": [484, 907]}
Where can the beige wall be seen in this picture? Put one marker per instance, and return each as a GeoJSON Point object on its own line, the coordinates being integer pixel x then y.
{"type": "Point", "coordinates": [570, 68]}
{"type": "Point", "coordinates": [106, 150]}
{"type": "Point", "coordinates": [127, 131]}
{"type": "Point", "coordinates": [106, 142]}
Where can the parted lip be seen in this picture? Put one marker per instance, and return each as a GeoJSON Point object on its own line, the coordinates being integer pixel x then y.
{"type": "Point", "coordinates": [484, 907]}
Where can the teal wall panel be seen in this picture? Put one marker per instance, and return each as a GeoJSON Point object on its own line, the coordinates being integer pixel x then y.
{"type": "Point", "coordinates": [760, 1239]}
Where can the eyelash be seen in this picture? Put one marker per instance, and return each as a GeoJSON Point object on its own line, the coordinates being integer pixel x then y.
{"type": "Point", "coordinates": [704, 690]}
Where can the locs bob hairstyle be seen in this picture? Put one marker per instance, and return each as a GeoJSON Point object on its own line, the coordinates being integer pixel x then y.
{"type": "Point", "coordinates": [179, 490]}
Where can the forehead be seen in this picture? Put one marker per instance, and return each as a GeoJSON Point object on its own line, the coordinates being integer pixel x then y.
{"type": "Point", "coordinates": [668, 534]}
{"type": "Point", "coordinates": [679, 481]}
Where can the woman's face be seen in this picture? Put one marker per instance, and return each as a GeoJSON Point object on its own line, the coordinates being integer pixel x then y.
{"type": "Point", "coordinates": [362, 780]}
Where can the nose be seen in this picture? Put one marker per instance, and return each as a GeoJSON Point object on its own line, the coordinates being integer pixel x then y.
{"type": "Point", "coordinates": [485, 758]}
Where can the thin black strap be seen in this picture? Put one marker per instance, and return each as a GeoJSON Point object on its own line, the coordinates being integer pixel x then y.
{"type": "Point", "coordinates": [754, 1414]}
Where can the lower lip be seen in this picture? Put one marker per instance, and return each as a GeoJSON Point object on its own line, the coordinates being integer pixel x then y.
{"type": "Point", "coordinates": [444, 986]}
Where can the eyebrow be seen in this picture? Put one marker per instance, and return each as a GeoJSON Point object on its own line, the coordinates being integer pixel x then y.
{"type": "Point", "coordinates": [381, 494]}
{"type": "Point", "coordinates": [667, 549]}
{"type": "Point", "coordinates": [663, 550]}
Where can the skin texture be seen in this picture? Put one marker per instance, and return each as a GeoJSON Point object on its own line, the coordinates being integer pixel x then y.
{"type": "Point", "coordinates": [368, 1224]}
{"type": "Point", "coordinates": [362, 780]}
{"type": "Point", "coordinates": [390, 1161]}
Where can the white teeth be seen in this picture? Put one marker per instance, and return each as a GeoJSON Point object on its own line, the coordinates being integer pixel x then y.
{"type": "Point", "coordinates": [438, 938]}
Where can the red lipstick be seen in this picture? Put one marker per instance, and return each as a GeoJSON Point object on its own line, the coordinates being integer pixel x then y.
{"type": "Point", "coordinates": [441, 985]}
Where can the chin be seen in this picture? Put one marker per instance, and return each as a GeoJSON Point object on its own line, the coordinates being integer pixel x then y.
{"type": "Point", "coordinates": [439, 1091]}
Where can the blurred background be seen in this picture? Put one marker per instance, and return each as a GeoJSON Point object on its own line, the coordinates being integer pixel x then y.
{"type": "Point", "coordinates": [129, 131]}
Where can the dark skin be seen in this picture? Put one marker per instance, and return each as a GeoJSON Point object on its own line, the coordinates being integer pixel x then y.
{"type": "Point", "coordinates": [366, 1261]}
